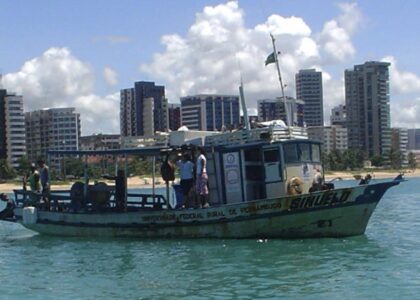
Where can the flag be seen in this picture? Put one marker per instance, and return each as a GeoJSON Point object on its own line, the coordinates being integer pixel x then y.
{"type": "Point", "coordinates": [270, 59]}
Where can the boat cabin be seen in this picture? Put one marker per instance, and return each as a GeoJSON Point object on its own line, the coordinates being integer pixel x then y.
{"type": "Point", "coordinates": [261, 168]}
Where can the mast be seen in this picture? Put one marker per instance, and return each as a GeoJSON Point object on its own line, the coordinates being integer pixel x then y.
{"type": "Point", "coordinates": [273, 40]}
{"type": "Point", "coordinates": [283, 98]}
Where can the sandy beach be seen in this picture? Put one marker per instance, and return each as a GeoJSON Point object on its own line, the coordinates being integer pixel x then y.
{"type": "Point", "coordinates": [146, 182]}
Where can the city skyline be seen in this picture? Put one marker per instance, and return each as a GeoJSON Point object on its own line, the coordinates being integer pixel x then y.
{"type": "Point", "coordinates": [84, 64]}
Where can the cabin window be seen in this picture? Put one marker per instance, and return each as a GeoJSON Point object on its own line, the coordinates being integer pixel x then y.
{"type": "Point", "coordinates": [254, 172]}
{"type": "Point", "coordinates": [271, 156]}
{"type": "Point", "coordinates": [316, 153]}
{"type": "Point", "coordinates": [253, 154]}
{"type": "Point", "coordinates": [304, 152]}
{"type": "Point", "coordinates": [290, 153]}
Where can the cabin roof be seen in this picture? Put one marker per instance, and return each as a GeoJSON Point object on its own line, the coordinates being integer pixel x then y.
{"type": "Point", "coordinates": [264, 143]}
{"type": "Point", "coordinates": [139, 151]}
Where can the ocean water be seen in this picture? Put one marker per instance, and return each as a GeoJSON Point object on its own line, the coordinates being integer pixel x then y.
{"type": "Point", "coordinates": [383, 263]}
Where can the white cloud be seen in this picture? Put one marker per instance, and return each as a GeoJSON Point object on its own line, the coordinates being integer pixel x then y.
{"type": "Point", "coordinates": [405, 100]}
{"type": "Point", "coordinates": [55, 77]}
{"type": "Point", "coordinates": [99, 114]}
{"type": "Point", "coordinates": [406, 113]}
{"type": "Point", "coordinates": [351, 17]}
{"type": "Point", "coordinates": [336, 43]}
{"type": "Point", "coordinates": [402, 81]}
{"type": "Point", "coordinates": [335, 37]}
{"type": "Point", "coordinates": [110, 76]}
{"type": "Point", "coordinates": [58, 79]}
{"type": "Point", "coordinates": [218, 47]}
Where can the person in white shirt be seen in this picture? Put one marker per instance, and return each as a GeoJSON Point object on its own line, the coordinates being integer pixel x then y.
{"type": "Point", "coordinates": [186, 172]}
{"type": "Point", "coordinates": [317, 182]}
{"type": "Point", "coordinates": [201, 181]}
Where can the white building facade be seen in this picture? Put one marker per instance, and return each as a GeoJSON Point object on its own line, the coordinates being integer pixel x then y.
{"type": "Point", "coordinates": [332, 137]}
{"type": "Point", "coordinates": [51, 129]}
{"type": "Point", "coordinates": [15, 129]}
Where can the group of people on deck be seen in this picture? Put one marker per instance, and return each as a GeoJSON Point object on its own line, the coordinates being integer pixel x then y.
{"type": "Point", "coordinates": [39, 182]}
{"type": "Point", "coordinates": [187, 179]}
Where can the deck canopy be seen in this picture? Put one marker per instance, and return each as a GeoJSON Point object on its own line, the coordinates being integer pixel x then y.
{"type": "Point", "coordinates": [134, 151]}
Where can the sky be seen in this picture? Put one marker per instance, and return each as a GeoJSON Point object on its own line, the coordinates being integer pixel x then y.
{"type": "Point", "coordinates": [81, 53]}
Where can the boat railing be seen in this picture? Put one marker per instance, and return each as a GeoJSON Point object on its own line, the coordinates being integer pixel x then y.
{"type": "Point", "coordinates": [270, 134]}
{"type": "Point", "coordinates": [61, 200]}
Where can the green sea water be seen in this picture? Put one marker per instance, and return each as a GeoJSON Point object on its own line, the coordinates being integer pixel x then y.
{"type": "Point", "coordinates": [382, 264]}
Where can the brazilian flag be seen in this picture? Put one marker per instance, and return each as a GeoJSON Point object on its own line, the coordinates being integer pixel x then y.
{"type": "Point", "coordinates": [271, 58]}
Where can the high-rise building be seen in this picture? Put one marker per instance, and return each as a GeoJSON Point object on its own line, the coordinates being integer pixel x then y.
{"type": "Point", "coordinates": [275, 109]}
{"type": "Point", "coordinates": [413, 139]}
{"type": "Point", "coordinates": [400, 142]}
{"type": "Point", "coordinates": [174, 116]}
{"type": "Point", "coordinates": [210, 112]}
{"type": "Point", "coordinates": [12, 128]}
{"type": "Point", "coordinates": [309, 90]}
{"type": "Point", "coordinates": [338, 115]}
{"type": "Point", "coordinates": [367, 107]}
{"type": "Point", "coordinates": [127, 113]}
{"type": "Point", "coordinates": [143, 109]}
{"type": "Point", "coordinates": [3, 148]}
{"type": "Point", "coordinates": [51, 129]}
{"type": "Point", "coordinates": [333, 137]}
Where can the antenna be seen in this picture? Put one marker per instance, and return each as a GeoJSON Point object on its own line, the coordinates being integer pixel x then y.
{"type": "Point", "coordinates": [243, 104]}
{"type": "Point", "coordinates": [242, 96]}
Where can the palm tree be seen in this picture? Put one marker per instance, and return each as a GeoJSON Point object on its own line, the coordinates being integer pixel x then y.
{"type": "Point", "coordinates": [412, 163]}
{"type": "Point", "coordinates": [6, 171]}
{"type": "Point", "coordinates": [395, 158]}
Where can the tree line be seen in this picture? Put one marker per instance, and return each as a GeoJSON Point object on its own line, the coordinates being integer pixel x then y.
{"type": "Point", "coordinates": [73, 167]}
{"type": "Point", "coordinates": [349, 159]}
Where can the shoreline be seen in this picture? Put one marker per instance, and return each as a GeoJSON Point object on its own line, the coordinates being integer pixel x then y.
{"type": "Point", "coordinates": [348, 175]}
{"type": "Point", "coordinates": [146, 182]}
{"type": "Point", "coordinates": [133, 183]}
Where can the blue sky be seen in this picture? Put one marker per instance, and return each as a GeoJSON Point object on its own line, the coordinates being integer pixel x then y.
{"type": "Point", "coordinates": [125, 36]}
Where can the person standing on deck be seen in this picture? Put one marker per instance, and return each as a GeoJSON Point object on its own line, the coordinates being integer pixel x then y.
{"type": "Point", "coordinates": [120, 189]}
{"type": "Point", "coordinates": [44, 175]}
{"type": "Point", "coordinates": [186, 173]}
{"type": "Point", "coordinates": [317, 182]}
{"type": "Point", "coordinates": [202, 178]}
{"type": "Point", "coordinates": [35, 187]}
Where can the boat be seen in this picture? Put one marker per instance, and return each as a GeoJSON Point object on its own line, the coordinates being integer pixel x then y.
{"type": "Point", "coordinates": [260, 186]}
{"type": "Point", "coordinates": [263, 183]}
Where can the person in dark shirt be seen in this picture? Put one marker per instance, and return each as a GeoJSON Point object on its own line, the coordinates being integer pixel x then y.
{"type": "Point", "coordinates": [44, 176]}
{"type": "Point", "coordinates": [120, 189]}
{"type": "Point", "coordinates": [365, 180]}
